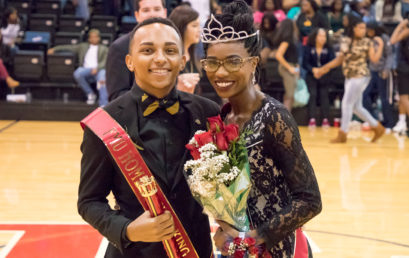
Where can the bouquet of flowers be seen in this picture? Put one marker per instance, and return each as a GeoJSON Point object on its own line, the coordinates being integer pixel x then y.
{"type": "Point", "coordinates": [219, 174]}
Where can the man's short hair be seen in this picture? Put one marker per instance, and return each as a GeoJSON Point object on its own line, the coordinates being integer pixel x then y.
{"type": "Point", "coordinates": [136, 4]}
{"type": "Point", "coordinates": [151, 21]}
{"type": "Point", "coordinates": [94, 31]}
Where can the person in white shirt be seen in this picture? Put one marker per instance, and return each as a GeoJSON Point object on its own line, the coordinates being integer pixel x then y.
{"type": "Point", "coordinates": [10, 27]}
{"type": "Point", "coordinates": [92, 59]}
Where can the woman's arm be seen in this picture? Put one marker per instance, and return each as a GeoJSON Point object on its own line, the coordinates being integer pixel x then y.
{"type": "Point", "coordinates": [280, 57]}
{"type": "Point", "coordinates": [376, 54]}
{"type": "Point", "coordinates": [401, 32]}
{"type": "Point", "coordinates": [282, 143]}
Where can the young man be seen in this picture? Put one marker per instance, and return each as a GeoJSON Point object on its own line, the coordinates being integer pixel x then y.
{"type": "Point", "coordinates": [119, 79]}
{"type": "Point", "coordinates": [92, 58]}
{"type": "Point", "coordinates": [155, 58]}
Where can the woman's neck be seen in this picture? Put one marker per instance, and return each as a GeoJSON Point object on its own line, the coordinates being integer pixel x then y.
{"type": "Point", "coordinates": [246, 102]}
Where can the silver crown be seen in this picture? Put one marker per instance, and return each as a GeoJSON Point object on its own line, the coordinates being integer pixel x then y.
{"type": "Point", "coordinates": [226, 33]}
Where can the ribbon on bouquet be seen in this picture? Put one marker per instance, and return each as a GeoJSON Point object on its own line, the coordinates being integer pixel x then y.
{"type": "Point", "coordinates": [301, 244]}
{"type": "Point", "coordinates": [139, 178]}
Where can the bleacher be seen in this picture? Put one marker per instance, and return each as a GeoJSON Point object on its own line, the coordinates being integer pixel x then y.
{"type": "Point", "coordinates": [49, 78]}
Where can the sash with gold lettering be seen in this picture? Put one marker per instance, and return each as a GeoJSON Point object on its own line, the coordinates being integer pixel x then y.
{"type": "Point", "coordinates": [139, 178]}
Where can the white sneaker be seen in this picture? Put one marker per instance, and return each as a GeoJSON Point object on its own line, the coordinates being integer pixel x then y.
{"type": "Point", "coordinates": [388, 131]}
{"type": "Point", "coordinates": [400, 127]}
{"type": "Point", "coordinates": [91, 99]}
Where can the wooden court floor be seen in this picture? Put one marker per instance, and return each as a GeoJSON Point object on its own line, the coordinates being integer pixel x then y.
{"type": "Point", "coordinates": [364, 187]}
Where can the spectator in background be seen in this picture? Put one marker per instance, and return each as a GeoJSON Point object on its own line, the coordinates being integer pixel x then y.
{"type": "Point", "coordinates": [81, 9]}
{"type": "Point", "coordinates": [401, 34]}
{"type": "Point", "coordinates": [92, 59]}
{"type": "Point", "coordinates": [355, 50]}
{"type": "Point", "coordinates": [388, 11]}
{"type": "Point", "coordinates": [336, 16]}
{"type": "Point", "coordinates": [316, 54]}
{"type": "Point", "coordinates": [119, 78]}
{"type": "Point", "coordinates": [10, 27]}
{"type": "Point", "coordinates": [287, 55]}
{"type": "Point", "coordinates": [380, 73]}
{"type": "Point", "coordinates": [310, 18]}
{"type": "Point", "coordinates": [269, 6]}
{"type": "Point", "coordinates": [267, 28]}
{"type": "Point", "coordinates": [187, 21]}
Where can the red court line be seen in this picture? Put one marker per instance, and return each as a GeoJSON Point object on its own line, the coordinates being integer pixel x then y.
{"type": "Point", "coordinates": [50, 241]}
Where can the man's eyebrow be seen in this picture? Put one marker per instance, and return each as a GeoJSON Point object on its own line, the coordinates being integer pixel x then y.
{"type": "Point", "coordinates": [149, 43]}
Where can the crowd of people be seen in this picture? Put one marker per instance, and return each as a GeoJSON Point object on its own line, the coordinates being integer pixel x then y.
{"type": "Point", "coordinates": [308, 39]}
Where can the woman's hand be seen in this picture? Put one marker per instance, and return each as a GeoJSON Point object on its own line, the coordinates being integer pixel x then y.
{"type": "Point", "coordinates": [220, 239]}
{"type": "Point", "coordinates": [187, 82]}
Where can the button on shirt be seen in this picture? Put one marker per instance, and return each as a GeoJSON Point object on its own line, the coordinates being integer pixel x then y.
{"type": "Point", "coordinates": [165, 136]}
{"type": "Point", "coordinates": [91, 57]}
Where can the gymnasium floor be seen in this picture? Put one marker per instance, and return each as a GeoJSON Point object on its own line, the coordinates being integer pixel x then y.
{"type": "Point", "coordinates": [364, 187]}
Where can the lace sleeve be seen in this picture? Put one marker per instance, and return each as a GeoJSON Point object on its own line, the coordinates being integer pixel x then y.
{"type": "Point", "coordinates": [282, 143]}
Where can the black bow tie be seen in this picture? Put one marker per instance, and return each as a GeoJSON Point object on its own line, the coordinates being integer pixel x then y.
{"type": "Point", "coordinates": [150, 104]}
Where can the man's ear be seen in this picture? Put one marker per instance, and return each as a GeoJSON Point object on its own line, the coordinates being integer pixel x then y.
{"type": "Point", "coordinates": [136, 14]}
{"type": "Point", "coordinates": [183, 63]}
{"type": "Point", "coordinates": [129, 63]}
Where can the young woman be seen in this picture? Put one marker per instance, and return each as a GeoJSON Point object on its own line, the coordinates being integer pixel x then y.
{"type": "Point", "coordinates": [10, 27]}
{"type": "Point", "coordinates": [380, 71]}
{"type": "Point", "coordinates": [284, 193]}
{"type": "Point", "coordinates": [316, 54]}
{"type": "Point", "coordinates": [355, 50]}
{"type": "Point", "coordinates": [401, 34]}
{"type": "Point", "coordinates": [287, 55]}
{"type": "Point", "coordinates": [269, 6]}
{"type": "Point", "coordinates": [188, 23]}
{"type": "Point", "coordinates": [310, 18]}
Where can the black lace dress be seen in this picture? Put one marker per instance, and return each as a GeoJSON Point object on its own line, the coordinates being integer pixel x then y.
{"type": "Point", "coordinates": [285, 193]}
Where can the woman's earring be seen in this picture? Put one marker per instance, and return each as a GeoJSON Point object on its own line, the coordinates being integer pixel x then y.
{"type": "Point", "coordinates": [254, 78]}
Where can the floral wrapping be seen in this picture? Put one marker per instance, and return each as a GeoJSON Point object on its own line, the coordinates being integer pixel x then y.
{"type": "Point", "coordinates": [219, 174]}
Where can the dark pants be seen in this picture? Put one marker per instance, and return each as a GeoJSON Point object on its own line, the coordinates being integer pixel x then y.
{"type": "Point", "coordinates": [378, 87]}
{"type": "Point", "coordinates": [318, 88]}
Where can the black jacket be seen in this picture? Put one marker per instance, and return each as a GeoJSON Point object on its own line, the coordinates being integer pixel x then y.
{"type": "Point", "coordinates": [100, 175]}
{"type": "Point", "coordinates": [119, 79]}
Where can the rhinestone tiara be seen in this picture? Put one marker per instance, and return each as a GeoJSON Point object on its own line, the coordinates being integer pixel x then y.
{"type": "Point", "coordinates": [226, 34]}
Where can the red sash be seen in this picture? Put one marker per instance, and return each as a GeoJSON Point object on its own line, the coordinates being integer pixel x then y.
{"type": "Point", "coordinates": [139, 178]}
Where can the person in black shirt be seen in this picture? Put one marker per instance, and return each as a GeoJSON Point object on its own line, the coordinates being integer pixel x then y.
{"type": "Point", "coordinates": [155, 58]}
{"type": "Point", "coordinates": [310, 18]}
{"type": "Point", "coordinates": [287, 56]}
{"type": "Point", "coordinates": [316, 54]}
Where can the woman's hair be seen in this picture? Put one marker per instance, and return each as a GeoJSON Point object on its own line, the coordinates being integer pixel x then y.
{"type": "Point", "coordinates": [314, 5]}
{"type": "Point", "coordinates": [333, 6]}
{"type": "Point", "coordinates": [285, 32]}
{"type": "Point", "coordinates": [238, 15]}
{"type": "Point", "coordinates": [181, 17]}
{"type": "Point", "coordinates": [272, 20]}
{"type": "Point", "coordinates": [312, 38]}
{"type": "Point", "coordinates": [379, 29]}
{"type": "Point", "coordinates": [277, 5]}
{"type": "Point", "coordinates": [6, 15]}
{"type": "Point", "coordinates": [267, 33]}
{"type": "Point", "coordinates": [353, 21]}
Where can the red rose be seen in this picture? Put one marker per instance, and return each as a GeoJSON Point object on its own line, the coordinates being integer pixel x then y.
{"type": "Point", "coordinates": [221, 141]}
{"type": "Point", "coordinates": [239, 253]}
{"type": "Point", "coordinates": [193, 151]}
{"type": "Point", "coordinates": [249, 241]}
{"type": "Point", "coordinates": [215, 124]}
{"type": "Point", "coordinates": [203, 138]}
{"type": "Point", "coordinates": [253, 251]}
{"type": "Point", "coordinates": [231, 132]}
{"type": "Point", "coordinates": [237, 241]}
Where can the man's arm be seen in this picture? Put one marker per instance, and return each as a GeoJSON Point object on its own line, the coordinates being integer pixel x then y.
{"type": "Point", "coordinates": [118, 77]}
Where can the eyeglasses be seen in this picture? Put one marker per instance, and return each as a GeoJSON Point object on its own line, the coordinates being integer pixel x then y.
{"type": "Point", "coordinates": [231, 64]}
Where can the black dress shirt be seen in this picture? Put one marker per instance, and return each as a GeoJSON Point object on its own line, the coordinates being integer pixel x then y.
{"type": "Point", "coordinates": [164, 135]}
